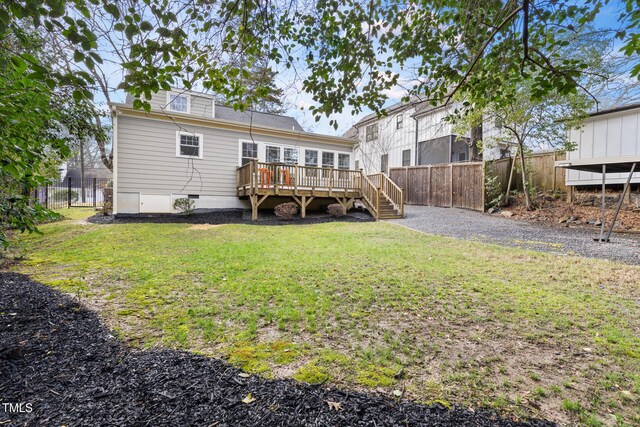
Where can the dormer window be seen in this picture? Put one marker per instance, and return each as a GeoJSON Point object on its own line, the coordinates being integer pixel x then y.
{"type": "Point", "coordinates": [178, 102]}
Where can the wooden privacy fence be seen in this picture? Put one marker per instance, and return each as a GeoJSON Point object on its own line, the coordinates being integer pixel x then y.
{"type": "Point", "coordinates": [542, 172]}
{"type": "Point", "coordinates": [459, 185]}
{"type": "Point", "coordinates": [462, 185]}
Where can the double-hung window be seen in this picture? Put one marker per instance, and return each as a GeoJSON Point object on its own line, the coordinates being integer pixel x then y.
{"type": "Point", "coordinates": [343, 161]}
{"type": "Point", "coordinates": [189, 145]}
{"type": "Point", "coordinates": [273, 154]}
{"type": "Point", "coordinates": [399, 121]}
{"type": "Point", "coordinates": [371, 132]}
{"type": "Point", "coordinates": [249, 152]}
{"type": "Point", "coordinates": [406, 157]}
{"type": "Point", "coordinates": [327, 159]}
{"type": "Point", "coordinates": [290, 155]}
{"type": "Point", "coordinates": [311, 158]}
{"type": "Point", "coordinates": [327, 162]}
{"type": "Point", "coordinates": [178, 102]}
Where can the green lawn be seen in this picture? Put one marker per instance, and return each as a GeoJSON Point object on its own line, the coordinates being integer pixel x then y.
{"type": "Point", "coordinates": [367, 306]}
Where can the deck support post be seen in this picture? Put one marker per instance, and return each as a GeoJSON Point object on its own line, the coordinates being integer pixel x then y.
{"type": "Point", "coordinates": [255, 203]}
{"type": "Point", "coordinates": [303, 201]}
{"type": "Point", "coordinates": [604, 208]}
{"type": "Point", "coordinates": [346, 202]}
{"type": "Point", "coordinates": [624, 191]}
{"type": "Point", "coordinates": [569, 194]}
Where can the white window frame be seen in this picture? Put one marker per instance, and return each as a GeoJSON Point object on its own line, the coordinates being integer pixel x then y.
{"type": "Point", "coordinates": [399, 121]}
{"type": "Point", "coordinates": [296, 150]}
{"type": "Point", "coordinates": [262, 149]}
{"type": "Point", "coordinates": [244, 141]}
{"type": "Point", "coordinates": [200, 145]}
{"type": "Point", "coordinates": [321, 159]}
{"type": "Point", "coordinates": [348, 157]}
{"type": "Point", "coordinates": [374, 135]}
{"type": "Point", "coordinates": [176, 93]}
{"type": "Point", "coordinates": [280, 153]}
{"type": "Point", "coordinates": [318, 154]}
{"type": "Point", "coordinates": [409, 159]}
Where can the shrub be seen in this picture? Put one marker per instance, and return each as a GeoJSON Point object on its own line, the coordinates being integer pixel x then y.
{"type": "Point", "coordinates": [184, 205]}
{"type": "Point", "coordinates": [336, 210]}
{"type": "Point", "coordinates": [107, 207]}
{"type": "Point", "coordinates": [286, 210]}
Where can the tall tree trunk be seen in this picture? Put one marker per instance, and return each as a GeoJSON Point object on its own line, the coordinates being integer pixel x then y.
{"type": "Point", "coordinates": [476, 136]}
{"type": "Point", "coordinates": [527, 197]}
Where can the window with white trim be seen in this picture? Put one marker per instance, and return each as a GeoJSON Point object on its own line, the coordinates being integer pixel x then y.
{"type": "Point", "coordinates": [371, 132]}
{"type": "Point", "coordinates": [343, 161]}
{"type": "Point", "coordinates": [327, 159]}
{"type": "Point", "coordinates": [249, 152]}
{"type": "Point", "coordinates": [406, 157]}
{"type": "Point", "coordinates": [290, 155]}
{"type": "Point", "coordinates": [399, 121]}
{"type": "Point", "coordinates": [272, 154]}
{"type": "Point", "coordinates": [188, 144]}
{"type": "Point", "coordinates": [311, 158]}
{"type": "Point", "coordinates": [178, 102]}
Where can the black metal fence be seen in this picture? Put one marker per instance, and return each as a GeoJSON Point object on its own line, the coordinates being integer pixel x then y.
{"type": "Point", "coordinates": [72, 192]}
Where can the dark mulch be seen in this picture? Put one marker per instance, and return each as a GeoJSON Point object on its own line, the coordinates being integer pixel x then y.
{"type": "Point", "coordinates": [56, 355]}
{"type": "Point", "coordinates": [235, 216]}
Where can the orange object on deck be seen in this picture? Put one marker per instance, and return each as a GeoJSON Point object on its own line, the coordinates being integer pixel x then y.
{"type": "Point", "coordinates": [265, 176]}
{"type": "Point", "coordinates": [285, 176]}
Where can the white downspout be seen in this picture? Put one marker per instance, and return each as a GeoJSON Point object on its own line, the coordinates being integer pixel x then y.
{"type": "Point", "coordinates": [114, 152]}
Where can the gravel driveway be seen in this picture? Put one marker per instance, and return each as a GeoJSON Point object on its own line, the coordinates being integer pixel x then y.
{"type": "Point", "coordinates": [471, 225]}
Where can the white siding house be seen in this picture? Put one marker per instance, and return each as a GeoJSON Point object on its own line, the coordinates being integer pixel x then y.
{"type": "Point", "coordinates": [189, 147]}
{"type": "Point", "coordinates": [415, 133]}
{"type": "Point", "coordinates": [606, 136]}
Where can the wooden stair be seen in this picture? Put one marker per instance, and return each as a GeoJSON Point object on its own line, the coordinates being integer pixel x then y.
{"type": "Point", "coordinates": [387, 210]}
{"type": "Point", "coordinates": [382, 197]}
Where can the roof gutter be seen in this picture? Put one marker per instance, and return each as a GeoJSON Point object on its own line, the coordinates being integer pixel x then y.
{"type": "Point", "coordinates": [232, 125]}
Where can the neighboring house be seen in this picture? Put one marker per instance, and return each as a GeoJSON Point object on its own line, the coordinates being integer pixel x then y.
{"type": "Point", "coordinates": [190, 147]}
{"type": "Point", "coordinates": [416, 133]}
{"type": "Point", "coordinates": [606, 137]}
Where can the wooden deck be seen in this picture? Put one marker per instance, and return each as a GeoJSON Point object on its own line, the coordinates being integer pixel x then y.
{"type": "Point", "coordinates": [259, 180]}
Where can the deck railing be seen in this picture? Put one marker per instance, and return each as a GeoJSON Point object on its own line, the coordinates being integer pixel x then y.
{"type": "Point", "coordinates": [370, 196]}
{"type": "Point", "coordinates": [255, 177]}
{"type": "Point", "coordinates": [394, 193]}
{"type": "Point", "coordinates": [277, 175]}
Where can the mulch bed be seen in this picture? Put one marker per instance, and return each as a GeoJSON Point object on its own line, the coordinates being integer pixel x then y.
{"type": "Point", "coordinates": [235, 216]}
{"type": "Point", "coordinates": [56, 356]}
{"type": "Point", "coordinates": [585, 212]}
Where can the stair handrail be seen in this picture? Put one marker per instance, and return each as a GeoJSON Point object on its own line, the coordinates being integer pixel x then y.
{"type": "Point", "coordinates": [392, 192]}
{"type": "Point", "coordinates": [370, 195]}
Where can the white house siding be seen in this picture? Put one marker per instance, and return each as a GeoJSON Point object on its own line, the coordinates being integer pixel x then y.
{"type": "Point", "coordinates": [200, 105]}
{"type": "Point", "coordinates": [609, 135]}
{"type": "Point", "coordinates": [149, 175]}
{"type": "Point", "coordinates": [433, 125]}
{"type": "Point", "coordinates": [391, 141]}
{"type": "Point", "coordinates": [394, 141]}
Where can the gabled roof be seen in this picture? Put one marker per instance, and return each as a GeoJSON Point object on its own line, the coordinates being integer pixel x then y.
{"type": "Point", "coordinates": [393, 109]}
{"type": "Point", "coordinates": [615, 109]}
{"type": "Point", "coordinates": [257, 118]}
{"type": "Point", "coordinates": [235, 125]}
